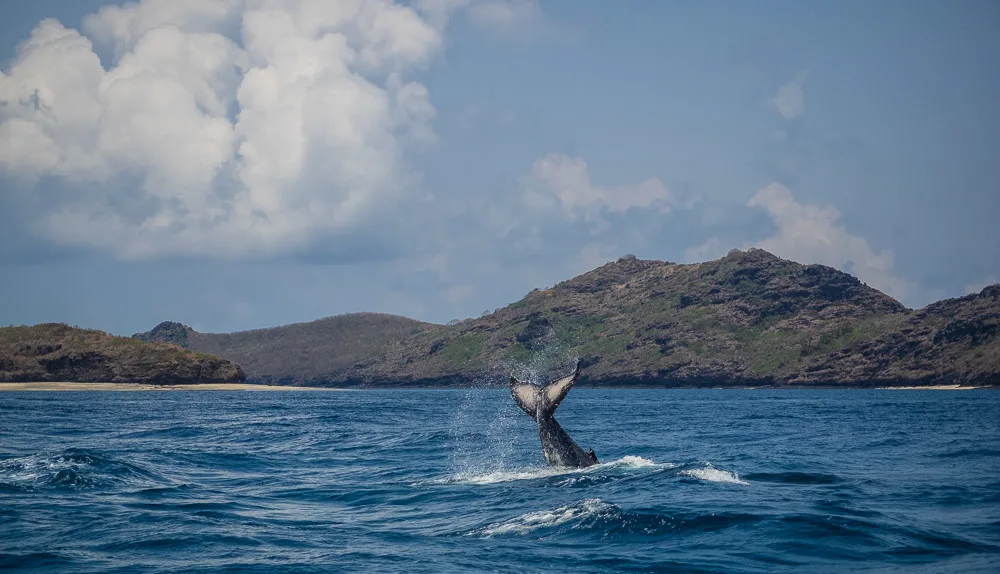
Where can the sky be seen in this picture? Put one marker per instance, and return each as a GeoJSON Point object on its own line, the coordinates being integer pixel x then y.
{"type": "Point", "coordinates": [238, 164]}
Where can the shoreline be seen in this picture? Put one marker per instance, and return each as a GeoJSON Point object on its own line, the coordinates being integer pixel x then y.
{"type": "Point", "coordinates": [131, 387]}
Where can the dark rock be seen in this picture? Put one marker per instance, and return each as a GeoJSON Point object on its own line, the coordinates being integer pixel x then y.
{"type": "Point", "coordinates": [167, 332]}
{"type": "Point", "coordinates": [37, 350]}
{"type": "Point", "coordinates": [57, 352]}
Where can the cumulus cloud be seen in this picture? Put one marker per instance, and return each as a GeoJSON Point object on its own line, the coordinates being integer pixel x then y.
{"type": "Point", "coordinates": [567, 180]}
{"type": "Point", "coordinates": [810, 234]}
{"type": "Point", "coordinates": [498, 15]}
{"type": "Point", "coordinates": [790, 99]}
{"type": "Point", "coordinates": [230, 128]}
{"type": "Point", "coordinates": [121, 27]}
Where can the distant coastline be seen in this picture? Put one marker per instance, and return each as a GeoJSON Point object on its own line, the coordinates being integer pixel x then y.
{"type": "Point", "coordinates": [68, 386]}
{"type": "Point", "coordinates": [132, 387]}
{"type": "Point", "coordinates": [749, 319]}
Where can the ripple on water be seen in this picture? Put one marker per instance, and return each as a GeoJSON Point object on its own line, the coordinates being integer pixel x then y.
{"type": "Point", "coordinates": [794, 477]}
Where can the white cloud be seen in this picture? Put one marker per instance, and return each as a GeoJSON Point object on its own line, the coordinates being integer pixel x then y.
{"type": "Point", "coordinates": [439, 11]}
{"type": "Point", "coordinates": [196, 143]}
{"type": "Point", "coordinates": [790, 100]}
{"type": "Point", "coordinates": [121, 27]}
{"type": "Point", "coordinates": [810, 234]}
{"type": "Point", "coordinates": [497, 15]}
{"type": "Point", "coordinates": [568, 180]}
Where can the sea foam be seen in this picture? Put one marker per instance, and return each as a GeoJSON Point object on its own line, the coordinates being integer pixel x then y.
{"type": "Point", "coordinates": [712, 474]}
{"type": "Point", "coordinates": [531, 521]}
{"type": "Point", "coordinates": [626, 463]}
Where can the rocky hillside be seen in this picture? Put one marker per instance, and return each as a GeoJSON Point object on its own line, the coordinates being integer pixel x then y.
{"type": "Point", "coordinates": [749, 318]}
{"type": "Point", "coordinates": [58, 352]}
{"type": "Point", "coordinates": [949, 342]}
{"type": "Point", "coordinates": [302, 352]}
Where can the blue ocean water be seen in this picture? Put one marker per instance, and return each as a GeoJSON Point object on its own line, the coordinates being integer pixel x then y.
{"type": "Point", "coordinates": [453, 481]}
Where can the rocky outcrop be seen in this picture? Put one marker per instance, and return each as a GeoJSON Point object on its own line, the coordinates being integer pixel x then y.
{"type": "Point", "coordinates": [57, 352]}
{"type": "Point", "coordinates": [949, 342]}
{"type": "Point", "coordinates": [168, 332]}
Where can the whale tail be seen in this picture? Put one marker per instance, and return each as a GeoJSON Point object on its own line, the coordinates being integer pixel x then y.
{"type": "Point", "coordinates": [541, 402]}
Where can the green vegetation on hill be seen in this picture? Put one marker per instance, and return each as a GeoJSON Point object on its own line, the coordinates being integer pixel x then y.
{"type": "Point", "coordinates": [58, 352]}
{"type": "Point", "coordinates": [749, 318]}
{"type": "Point", "coordinates": [310, 352]}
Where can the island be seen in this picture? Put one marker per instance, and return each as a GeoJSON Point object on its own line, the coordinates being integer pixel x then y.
{"type": "Point", "coordinates": [55, 352]}
{"type": "Point", "coordinates": [748, 319]}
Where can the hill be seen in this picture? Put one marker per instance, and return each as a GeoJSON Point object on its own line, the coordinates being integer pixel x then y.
{"type": "Point", "coordinates": [312, 352]}
{"type": "Point", "coordinates": [58, 352]}
{"type": "Point", "coordinates": [747, 319]}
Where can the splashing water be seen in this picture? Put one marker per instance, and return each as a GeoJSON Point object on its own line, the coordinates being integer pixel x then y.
{"type": "Point", "coordinates": [480, 433]}
{"type": "Point", "coordinates": [482, 428]}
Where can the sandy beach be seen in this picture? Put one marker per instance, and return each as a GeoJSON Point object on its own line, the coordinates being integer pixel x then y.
{"type": "Point", "coordinates": [143, 387]}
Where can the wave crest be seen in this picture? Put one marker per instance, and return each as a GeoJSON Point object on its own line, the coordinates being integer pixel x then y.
{"type": "Point", "coordinates": [531, 521]}
{"type": "Point", "coordinates": [72, 469]}
{"type": "Point", "coordinates": [599, 518]}
{"type": "Point", "coordinates": [622, 468]}
{"type": "Point", "coordinates": [607, 470]}
{"type": "Point", "coordinates": [712, 474]}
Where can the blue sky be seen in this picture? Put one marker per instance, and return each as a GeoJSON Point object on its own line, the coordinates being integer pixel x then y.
{"type": "Point", "coordinates": [240, 164]}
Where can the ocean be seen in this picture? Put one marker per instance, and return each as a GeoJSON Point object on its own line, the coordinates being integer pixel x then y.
{"type": "Point", "coordinates": [454, 481]}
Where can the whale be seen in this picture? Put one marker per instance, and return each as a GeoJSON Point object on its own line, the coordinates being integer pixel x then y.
{"type": "Point", "coordinates": [540, 403]}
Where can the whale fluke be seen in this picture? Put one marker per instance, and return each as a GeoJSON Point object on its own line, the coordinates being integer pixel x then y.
{"type": "Point", "coordinates": [540, 403]}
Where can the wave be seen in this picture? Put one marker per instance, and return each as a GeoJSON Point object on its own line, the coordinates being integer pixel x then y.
{"type": "Point", "coordinates": [626, 463]}
{"type": "Point", "coordinates": [480, 479]}
{"type": "Point", "coordinates": [622, 468]}
{"type": "Point", "coordinates": [600, 520]}
{"type": "Point", "coordinates": [606, 520]}
{"type": "Point", "coordinates": [712, 474]}
{"type": "Point", "coordinates": [72, 468]}
{"type": "Point", "coordinates": [635, 462]}
{"type": "Point", "coordinates": [33, 560]}
{"type": "Point", "coordinates": [526, 523]}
